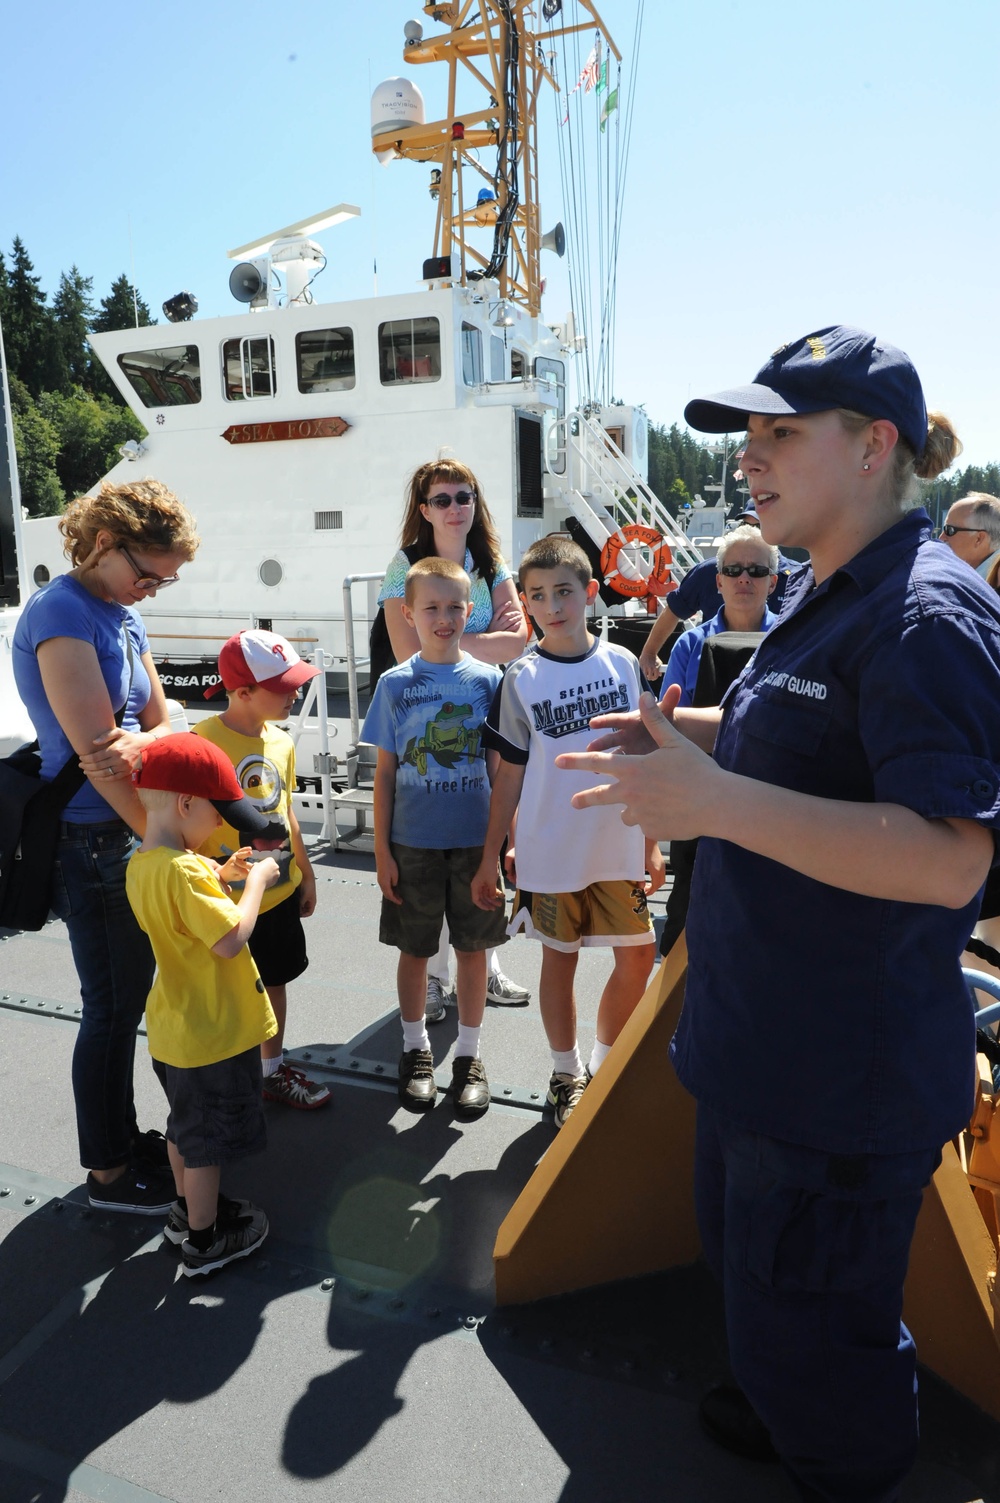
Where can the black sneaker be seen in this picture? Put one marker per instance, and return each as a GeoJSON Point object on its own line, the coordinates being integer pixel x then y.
{"type": "Point", "coordinates": [149, 1151]}
{"type": "Point", "coordinates": [470, 1090]}
{"type": "Point", "coordinates": [233, 1239]}
{"type": "Point", "coordinates": [417, 1089]}
{"type": "Point", "coordinates": [144, 1193]}
{"type": "Point", "coordinates": [728, 1418]}
{"type": "Point", "coordinates": [177, 1226]}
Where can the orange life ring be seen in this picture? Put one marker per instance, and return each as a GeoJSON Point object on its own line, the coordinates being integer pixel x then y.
{"type": "Point", "coordinates": [659, 580]}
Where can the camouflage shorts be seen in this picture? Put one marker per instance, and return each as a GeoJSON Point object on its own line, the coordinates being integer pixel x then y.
{"type": "Point", "coordinates": [433, 884]}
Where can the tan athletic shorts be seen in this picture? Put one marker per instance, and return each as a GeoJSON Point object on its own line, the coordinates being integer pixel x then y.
{"type": "Point", "coordinates": [605, 913]}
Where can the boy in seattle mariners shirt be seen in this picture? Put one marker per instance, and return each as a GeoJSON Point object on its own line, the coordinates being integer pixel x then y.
{"type": "Point", "coordinates": [580, 882]}
{"type": "Point", "coordinates": [432, 799]}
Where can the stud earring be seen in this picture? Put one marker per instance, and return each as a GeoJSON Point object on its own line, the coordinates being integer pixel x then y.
{"type": "Point", "coordinates": [866, 466]}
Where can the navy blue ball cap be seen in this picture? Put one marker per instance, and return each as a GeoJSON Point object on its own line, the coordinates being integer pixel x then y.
{"type": "Point", "coordinates": [834, 367]}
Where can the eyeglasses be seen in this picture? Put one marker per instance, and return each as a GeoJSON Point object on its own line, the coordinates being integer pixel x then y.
{"type": "Point", "coordinates": [460, 498]}
{"type": "Point", "coordinates": [755, 571]}
{"type": "Point", "coordinates": [143, 579]}
{"type": "Point", "coordinates": [949, 531]}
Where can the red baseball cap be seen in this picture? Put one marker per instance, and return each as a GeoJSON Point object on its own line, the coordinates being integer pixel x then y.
{"type": "Point", "coordinates": [265, 658]}
{"type": "Point", "coordinates": [186, 763]}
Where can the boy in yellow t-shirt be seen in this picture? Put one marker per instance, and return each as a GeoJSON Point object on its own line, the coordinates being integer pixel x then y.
{"type": "Point", "coordinates": [207, 1013]}
{"type": "Point", "coordinates": [262, 673]}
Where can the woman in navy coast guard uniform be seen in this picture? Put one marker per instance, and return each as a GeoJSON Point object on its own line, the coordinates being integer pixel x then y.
{"type": "Point", "coordinates": [846, 795]}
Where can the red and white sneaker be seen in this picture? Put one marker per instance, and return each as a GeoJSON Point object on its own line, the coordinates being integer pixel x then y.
{"type": "Point", "coordinates": [291, 1086]}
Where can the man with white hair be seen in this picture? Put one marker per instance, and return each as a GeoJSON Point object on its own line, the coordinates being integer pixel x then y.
{"type": "Point", "coordinates": [972, 528]}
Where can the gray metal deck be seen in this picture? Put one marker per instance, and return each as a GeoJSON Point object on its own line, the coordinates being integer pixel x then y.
{"type": "Point", "coordinates": [359, 1356]}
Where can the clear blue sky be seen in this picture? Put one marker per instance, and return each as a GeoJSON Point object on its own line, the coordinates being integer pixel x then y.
{"type": "Point", "coordinates": [792, 165]}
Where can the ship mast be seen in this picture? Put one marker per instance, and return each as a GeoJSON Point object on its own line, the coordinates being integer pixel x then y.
{"type": "Point", "coordinates": [492, 41]}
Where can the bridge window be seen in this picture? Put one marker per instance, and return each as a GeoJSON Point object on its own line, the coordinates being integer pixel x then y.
{"type": "Point", "coordinates": [472, 355]}
{"type": "Point", "coordinates": [248, 368]}
{"type": "Point", "coordinates": [409, 350]}
{"type": "Point", "coordinates": [325, 360]}
{"type": "Point", "coordinates": [498, 359]}
{"type": "Point", "coordinates": [168, 377]}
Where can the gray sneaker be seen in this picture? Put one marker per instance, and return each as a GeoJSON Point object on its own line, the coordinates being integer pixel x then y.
{"type": "Point", "coordinates": [234, 1239]}
{"type": "Point", "coordinates": [564, 1094]}
{"type": "Point", "coordinates": [504, 992]}
{"type": "Point", "coordinates": [438, 998]}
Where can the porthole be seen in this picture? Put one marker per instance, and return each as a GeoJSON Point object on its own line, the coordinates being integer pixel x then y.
{"type": "Point", "coordinates": [270, 572]}
{"type": "Point", "coordinates": [41, 575]}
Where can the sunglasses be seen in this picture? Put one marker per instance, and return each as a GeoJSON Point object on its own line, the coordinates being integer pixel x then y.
{"type": "Point", "coordinates": [948, 531]}
{"type": "Point", "coordinates": [143, 579]}
{"type": "Point", "coordinates": [755, 571]}
{"type": "Point", "coordinates": [460, 498]}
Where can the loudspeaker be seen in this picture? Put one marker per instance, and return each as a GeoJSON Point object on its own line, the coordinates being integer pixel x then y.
{"type": "Point", "coordinates": [555, 240]}
{"type": "Point", "coordinates": [249, 280]}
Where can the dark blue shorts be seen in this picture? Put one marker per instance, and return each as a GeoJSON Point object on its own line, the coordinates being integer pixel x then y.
{"type": "Point", "coordinates": [216, 1111]}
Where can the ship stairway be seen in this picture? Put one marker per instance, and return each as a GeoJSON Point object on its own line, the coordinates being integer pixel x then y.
{"type": "Point", "coordinates": [607, 494]}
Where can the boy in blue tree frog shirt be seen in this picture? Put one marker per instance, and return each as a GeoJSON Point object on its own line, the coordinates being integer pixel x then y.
{"type": "Point", "coordinates": [432, 802]}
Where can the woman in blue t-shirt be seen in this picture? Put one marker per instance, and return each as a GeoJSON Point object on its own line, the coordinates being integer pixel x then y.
{"type": "Point", "coordinates": [447, 517]}
{"type": "Point", "coordinates": [80, 655]}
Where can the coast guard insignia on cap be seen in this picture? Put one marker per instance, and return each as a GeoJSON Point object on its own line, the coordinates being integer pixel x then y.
{"type": "Point", "coordinates": [817, 346]}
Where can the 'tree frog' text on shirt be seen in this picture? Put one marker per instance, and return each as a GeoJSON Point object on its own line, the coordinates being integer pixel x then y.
{"type": "Point", "coordinates": [543, 707]}
{"type": "Point", "coordinates": [430, 715]}
{"type": "Point", "coordinates": [882, 684]}
{"type": "Point", "coordinates": [65, 609]}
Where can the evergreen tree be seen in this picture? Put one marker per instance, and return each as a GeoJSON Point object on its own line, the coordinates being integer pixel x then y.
{"type": "Point", "coordinates": [4, 300]}
{"type": "Point", "coordinates": [73, 310]}
{"type": "Point", "coordinates": [121, 307]}
{"type": "Point", "coordinates": [30, 338]}
{"type": "Point", "coordinates": [88, 431]}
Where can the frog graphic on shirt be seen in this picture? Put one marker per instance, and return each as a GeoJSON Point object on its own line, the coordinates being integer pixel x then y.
{"type": "Point", "coordinates": [446, 738]}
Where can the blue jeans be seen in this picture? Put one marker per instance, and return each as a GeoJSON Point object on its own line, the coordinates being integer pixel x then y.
{"type": "Point", "coordinates": [114, 962]}
{"type": "Point", "coordinates": [811, 1249]}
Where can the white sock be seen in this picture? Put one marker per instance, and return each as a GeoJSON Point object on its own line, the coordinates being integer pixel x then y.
{"type": "Point", "coordinates": [415, 1035]}
{"type": "Point", "coordinates": [598, 1056]}
{"type": "Point", "coordinates": [271, 1066]}
{"type": "Point", "coordinates": [568, 1061]}
{"type": "Point", "coordinates": [467, 1042]}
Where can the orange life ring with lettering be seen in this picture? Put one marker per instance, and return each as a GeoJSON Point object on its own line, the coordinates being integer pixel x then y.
{"type": "Point", "coordinates": [659, 581]}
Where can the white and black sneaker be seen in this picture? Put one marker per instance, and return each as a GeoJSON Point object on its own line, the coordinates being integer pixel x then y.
{"type": "Point", "coordinates": [234, 1238]}
{"type": "Point", "coordinates": [564, 1094]}
{"type": "Point", "coordinates": [139, 1190]}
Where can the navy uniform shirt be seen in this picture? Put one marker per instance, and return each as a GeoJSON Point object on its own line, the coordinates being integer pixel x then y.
{"type": "Point", "coordinates": [812, 1014]}
{"type": "Point", "coordinates": [699, 589]}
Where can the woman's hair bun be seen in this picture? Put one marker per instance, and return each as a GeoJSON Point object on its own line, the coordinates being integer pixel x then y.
{"type": "Point", "coordinates": [942, 448]}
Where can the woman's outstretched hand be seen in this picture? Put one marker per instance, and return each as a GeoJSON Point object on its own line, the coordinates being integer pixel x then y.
{"type": "Point", "coordinates": [667, 785]}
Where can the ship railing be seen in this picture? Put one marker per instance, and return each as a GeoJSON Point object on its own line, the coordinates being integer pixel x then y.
{"type": "Point", "coordinates": [614, 495]}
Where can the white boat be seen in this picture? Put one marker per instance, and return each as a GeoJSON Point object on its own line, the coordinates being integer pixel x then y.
{"type": "Point", "coordinates": [290, 427]}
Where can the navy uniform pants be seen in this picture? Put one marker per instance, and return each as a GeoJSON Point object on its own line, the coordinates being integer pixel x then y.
{"type": "Point", "coordinates": [811, 1250]}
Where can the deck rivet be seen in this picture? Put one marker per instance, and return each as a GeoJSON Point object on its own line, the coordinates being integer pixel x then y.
{"type": "Point", "coordinates": [434, 1312]}
{"type": "Point", "coordinates": [331, 1059]}
{"type": "Point", "coordinates": [361, 1294]}
{"type": "Point", "coordinates": [354, 1064]}
{"type": "Point", "coordinates": [379, 1069]}
{"type": "Point", "coordinates": [326, 1284]}
{"type": "Point", "coordinates": [5, 1190]}
{"type": "Point", "coordinates": [29, 1200]}
{"type": "Point", "coordinates": [508, 1090]}
{"type": "Point", "coordinates": [534, 1095]}
{"type": "Point", "coordinates": [306, 1054]}
{"type": "Point", "coordinates": [59, 1007]}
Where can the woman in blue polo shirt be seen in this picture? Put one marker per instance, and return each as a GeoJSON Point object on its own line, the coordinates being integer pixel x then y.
{"type": "Point", "coordinates": [847, 806]}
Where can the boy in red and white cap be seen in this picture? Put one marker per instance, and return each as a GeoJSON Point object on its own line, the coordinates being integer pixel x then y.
{"type": "Point", "coordinates": [207, 1013]}
{"type": "Point", "coordinates": [263, 674]}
